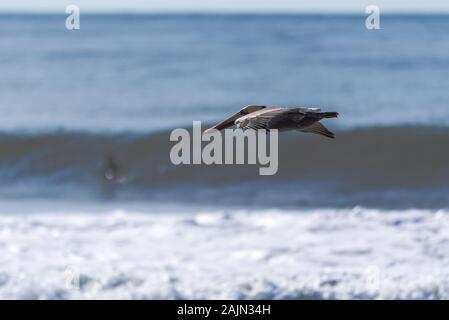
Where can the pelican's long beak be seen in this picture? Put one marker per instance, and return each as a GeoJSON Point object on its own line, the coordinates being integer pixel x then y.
{"type": "Point", "coordinates": [229, 122]}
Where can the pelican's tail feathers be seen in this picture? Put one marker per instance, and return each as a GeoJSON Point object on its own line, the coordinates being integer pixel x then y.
{"type": "Point", "coordinates": [319, 128]}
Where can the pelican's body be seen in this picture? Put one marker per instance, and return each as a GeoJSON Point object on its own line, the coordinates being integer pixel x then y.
{"type": "Point", "coordinates": [282, 119]}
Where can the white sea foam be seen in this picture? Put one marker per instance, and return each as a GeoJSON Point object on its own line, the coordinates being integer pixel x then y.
{"type": "Point", "coordinates": [341, 254]}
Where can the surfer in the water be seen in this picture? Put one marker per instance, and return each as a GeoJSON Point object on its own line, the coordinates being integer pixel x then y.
{"type": "Point", "coordinates": [111, 171]}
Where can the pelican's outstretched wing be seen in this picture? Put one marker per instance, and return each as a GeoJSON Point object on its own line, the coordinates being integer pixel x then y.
{"type": "Point", "coordinates": [259, 119]}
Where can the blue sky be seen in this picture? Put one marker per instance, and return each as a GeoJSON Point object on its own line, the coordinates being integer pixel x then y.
{"type": "Point", "coordinates": [228, 5]}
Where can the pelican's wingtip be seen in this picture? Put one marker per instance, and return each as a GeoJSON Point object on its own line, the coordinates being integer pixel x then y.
{"type": "Point", "coordinates": [209, 131]}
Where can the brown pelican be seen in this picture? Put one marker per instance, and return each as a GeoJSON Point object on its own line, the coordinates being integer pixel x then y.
{"type": "Point", "coordinates": [283, 119]}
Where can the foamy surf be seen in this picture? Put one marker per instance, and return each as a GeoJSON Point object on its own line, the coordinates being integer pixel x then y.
{"type": "Point", "coordinates": [326, 254]}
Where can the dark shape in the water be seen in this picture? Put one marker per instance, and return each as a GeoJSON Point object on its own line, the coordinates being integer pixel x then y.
{"type": "Point", "coordinates": [111, 171]}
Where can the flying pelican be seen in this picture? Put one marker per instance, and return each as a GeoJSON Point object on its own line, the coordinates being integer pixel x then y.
{"type": "Point", "coordinates": [284, 119]}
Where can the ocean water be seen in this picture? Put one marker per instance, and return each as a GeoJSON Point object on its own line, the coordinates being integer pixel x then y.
{"type": "Point", "coordinates": [361, 216]}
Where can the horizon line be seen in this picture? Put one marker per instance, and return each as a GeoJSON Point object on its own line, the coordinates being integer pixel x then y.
{"type": "Point", "coordinates": [224, 12]}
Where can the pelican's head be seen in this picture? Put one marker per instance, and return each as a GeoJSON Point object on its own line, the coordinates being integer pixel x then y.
{"type": "Point", "coordinates": [231, 120]}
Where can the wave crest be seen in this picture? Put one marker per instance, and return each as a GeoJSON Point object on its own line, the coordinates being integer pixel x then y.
{"type": "Point", "coordinates": [358, 162]}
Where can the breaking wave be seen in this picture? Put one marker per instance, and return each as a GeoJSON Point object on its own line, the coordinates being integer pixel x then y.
{"type": "Point", "coordinates": [264, 254]}
{"type": "Point", "coordinates": [397, 166]}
